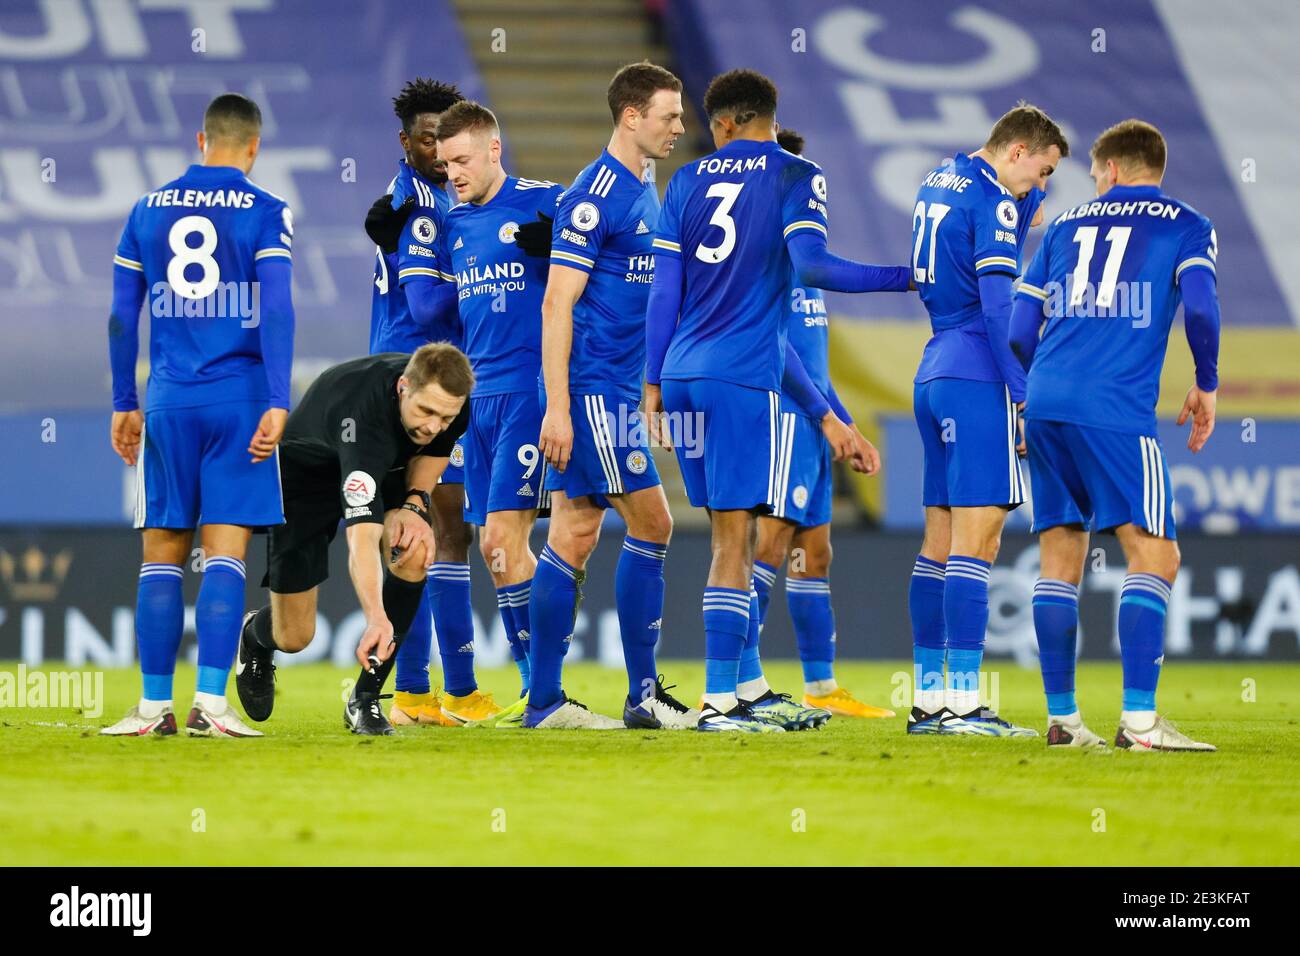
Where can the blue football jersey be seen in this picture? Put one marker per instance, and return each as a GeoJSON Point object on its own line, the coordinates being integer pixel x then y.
{"type": "Point", "coordinates": [809, 333]}
{"type": "Point", "coordinates": [417, 254]}
{"type": "Point", "coordinates": [728, 216]}
{"type": "Point", "coordinates": [197, 241]}
{"type": "Point", "coordinates": [499, 287]}
{"type": "Point", "coordinates": [1107, 274]}
{"type": "Point", "coordinates": [965, 224]}
{"type": "Point", "coordinates": [391, 327]}
{"type": "Point", "coordinates": [605, 227]}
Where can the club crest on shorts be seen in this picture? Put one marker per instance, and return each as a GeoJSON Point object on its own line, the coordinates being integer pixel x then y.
{"type": "Point", "coordinates": [457, 456]}
{"type": "Point", "coordinates": [637, 462]}
{"type": "Point", "coordinates": [585, 216]}
{"type": "Point", "coordinates": [358, 489]}
{"type": "Point", "coordinates": [799, 496]}
{"type": "Point", "coordinates": [1007, 214]}
{"type": "Point", "coordinates": [507, 232]}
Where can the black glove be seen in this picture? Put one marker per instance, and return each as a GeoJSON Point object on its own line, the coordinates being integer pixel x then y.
{"type": "Point", "coordinates": [535, 237]}
{"type": "Point", "coordinates": [384, 224]}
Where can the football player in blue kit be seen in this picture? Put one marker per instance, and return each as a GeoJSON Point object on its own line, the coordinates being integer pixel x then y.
{"type": "Point", "coordinates": [968, 228]}
{"type": "Point", "coordinates": [1107, 280]}
{"type": "Point", "coordinates": [733, 226]}
{"type": "Point", "coordinates": [475, 266]}
{"type": "Point", "coordinates": [421, 183]}
{"type": "Point", "coordinates": [800, 526]}
{"type": "Point", "coordinates": [212, 253]}
{"type": "Point", "coordinates": [598, 452]}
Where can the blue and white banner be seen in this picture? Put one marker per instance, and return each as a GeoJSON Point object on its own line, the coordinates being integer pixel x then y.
{"type": "Point", "coordinates": [100, 101]}
{"type": "Point", "coordinates": [884, 91]}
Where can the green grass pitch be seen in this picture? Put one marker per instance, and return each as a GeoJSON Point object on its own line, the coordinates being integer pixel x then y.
{"type": "Point", "coordinates": [857, 792]}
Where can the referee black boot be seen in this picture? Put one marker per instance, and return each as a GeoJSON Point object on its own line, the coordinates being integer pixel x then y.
{"type": "Point", "coordinates": [254, 674]}
{"type": "Point", "coordinates": [363, 715]}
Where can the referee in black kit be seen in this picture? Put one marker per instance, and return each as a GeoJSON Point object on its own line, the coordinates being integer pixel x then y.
{"type": "Point", "coordinates": [365, 446]}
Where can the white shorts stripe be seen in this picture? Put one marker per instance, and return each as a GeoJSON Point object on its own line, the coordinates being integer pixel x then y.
{"type": "Point", "coordinates": [140, 498]}
{"type": "Point", "coordinates": [773, 413]}
{"type": "Point", "coordinates": [606, 464]}
{"type": "Point", "coordinates": [616, 476]}
{"type": "Point", "coordinates": [1146, 484]}
{"type": "Point", "coordinates": [787, 454]}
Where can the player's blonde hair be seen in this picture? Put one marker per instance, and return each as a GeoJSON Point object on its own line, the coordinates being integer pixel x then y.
{"type": "Point", "coordinates": [1134, 145]}
{"type": "Point", "coordinates": [1025, 123]}
{"type": "Point", "coordinates": [443, 363]}
{"type": "Point", "coordinates": [466, 116]}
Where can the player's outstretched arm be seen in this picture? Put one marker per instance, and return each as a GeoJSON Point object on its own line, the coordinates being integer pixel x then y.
{"type": "Point", "coordinates": [1201, 323]}
{"type": "Point", "coordinates": [564, 286]}
{"type": "Point", "coordinates": [819, 268]}
{"type": "Point", "coordinates": [796, 382]}
{"type": "Point", "coordinates": [123, 350]}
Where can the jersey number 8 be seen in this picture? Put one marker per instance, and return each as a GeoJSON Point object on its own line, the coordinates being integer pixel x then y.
{"type": "Point", "coordinates": [183, 254]}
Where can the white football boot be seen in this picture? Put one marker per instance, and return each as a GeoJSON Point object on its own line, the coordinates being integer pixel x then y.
{"type": "Point", "coordinates": [136, 725]}
{"type": "Point", "coordinates": [203, 722]}
{"type": "Point", "coordinates": [1162, 735]}
{"type": "Point", "coordinates": [1064, 733]}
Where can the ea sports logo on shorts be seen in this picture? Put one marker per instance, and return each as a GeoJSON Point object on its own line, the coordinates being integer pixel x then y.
{"type": "Point", "coordinates": [799, 496]}
{"type": "Point", "coordinates": [457, 456]}
{"type": "Point", "coordinates": [585, 216]}
{"type": "Point", "coordinates": [637, 462]}
{"type": "Point", "coordinates": [1007, 214]}
{"type": "Point", "coordinates": [507, 232]}
{"type": "Point", "coordinates": [358, 489]}
{"type": "Point", "coordinates": [424, 230]}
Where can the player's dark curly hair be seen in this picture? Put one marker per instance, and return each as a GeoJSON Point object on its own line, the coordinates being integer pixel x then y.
{"type": "Point", "coordinates": [745, 95]}
{"type": "Point", "coordinates": [423, 95]}
{"type": "Point", "coordinates": [790, 141]}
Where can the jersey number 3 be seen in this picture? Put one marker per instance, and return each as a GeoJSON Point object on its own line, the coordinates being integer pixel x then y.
{"type": "Point", "coordinates": [728, 193]}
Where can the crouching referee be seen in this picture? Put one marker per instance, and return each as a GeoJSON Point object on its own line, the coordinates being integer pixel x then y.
{"type": "Point", "coordinates": [365, 446]}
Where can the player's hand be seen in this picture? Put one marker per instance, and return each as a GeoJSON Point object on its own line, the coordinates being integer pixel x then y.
{"type": "Point", "coordinates": [865, 459]}
{"type": "Point", "coordinates": [556, 439]}
{"type": "Point", "coordinates": [408, 534]}
{"type": "Point", "coordinates": [125, 434]}
{"type": "Point", "coordinates": [269, 432]}
{"type": "Point", "coordinates": [376, 640]}
{"type": "Point", "coordinates": [1200, 406]}
{"type": "Point", "coordinates": [535, 237]}
{"type": "Point", "coordinates": [1021, 448]}
{"type": "Point", "coordinates": [841, 437]}
{"type": "Point", "coordinates": [652, 408]}
{"type": "Point", "coordinates": [384, 224]}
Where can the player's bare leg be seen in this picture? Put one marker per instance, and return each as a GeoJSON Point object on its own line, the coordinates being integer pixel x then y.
{"type": "Point", "coordinates": [287, 624]}
{"type": "Point", "coordinates": [1152, 566]}
{"type": "Point", "coordinates": [1062, 552]}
